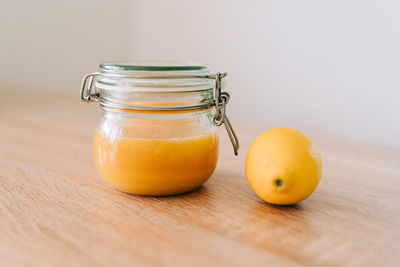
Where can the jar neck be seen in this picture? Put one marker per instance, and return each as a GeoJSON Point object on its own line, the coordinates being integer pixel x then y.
{"type": "Point", "coordinates": [157, 115]}
{"type": "Point", "coordinates": [156, 101]}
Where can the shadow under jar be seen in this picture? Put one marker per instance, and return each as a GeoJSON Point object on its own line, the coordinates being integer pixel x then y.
{"type": "Point", "coordinates": [157, 130]}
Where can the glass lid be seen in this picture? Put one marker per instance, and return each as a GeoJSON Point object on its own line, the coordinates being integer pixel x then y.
{"type": "Point", "coordinates": [159, 66]}
{"type": "Point", "coordinates": [154, 76]}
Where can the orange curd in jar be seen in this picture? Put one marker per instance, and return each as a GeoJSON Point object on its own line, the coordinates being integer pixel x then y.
{"type": "Point", "coordinates": [162, 158]}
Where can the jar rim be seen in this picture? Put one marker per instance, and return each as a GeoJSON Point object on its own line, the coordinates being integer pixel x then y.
{"type": "Point", "coordinates": [153, 66]}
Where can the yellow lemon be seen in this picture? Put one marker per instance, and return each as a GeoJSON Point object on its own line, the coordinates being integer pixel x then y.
{"type": "Point", "coordinates": [283, 166]}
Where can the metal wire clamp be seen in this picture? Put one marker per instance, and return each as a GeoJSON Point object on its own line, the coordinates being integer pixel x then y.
{"type": "Point", "coordinates": [221, 99]}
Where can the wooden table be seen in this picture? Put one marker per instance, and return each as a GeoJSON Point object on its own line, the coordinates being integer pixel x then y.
{"type": "Point", "coordinates": [56, 210]}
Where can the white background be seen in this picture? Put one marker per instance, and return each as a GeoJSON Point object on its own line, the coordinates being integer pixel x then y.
{"type": "Point", "coordinates": [330, 67]}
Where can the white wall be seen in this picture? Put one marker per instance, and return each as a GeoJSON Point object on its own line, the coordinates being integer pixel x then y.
{"type": "Point", "coordinates": [50, 45]}
{"type": "Point", "coordinates": [326, 66]}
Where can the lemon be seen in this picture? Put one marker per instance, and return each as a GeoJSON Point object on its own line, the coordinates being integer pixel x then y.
{"type": "Point", "coordinates": [283, 166]}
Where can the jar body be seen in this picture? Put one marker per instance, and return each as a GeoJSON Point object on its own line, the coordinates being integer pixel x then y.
{"type": "Point", "coordinates": [155, 152]}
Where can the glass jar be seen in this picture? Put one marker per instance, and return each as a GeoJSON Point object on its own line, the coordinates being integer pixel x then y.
{"type": "Point", "coordinates": [157, 130]}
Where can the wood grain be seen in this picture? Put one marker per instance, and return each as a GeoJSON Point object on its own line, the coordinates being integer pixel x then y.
{"type": "Point", "coordinates": [55, 210]}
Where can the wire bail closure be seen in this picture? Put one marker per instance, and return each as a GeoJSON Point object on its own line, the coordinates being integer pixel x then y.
{"type": "Point", "coordinates": [88, 94]}
{"type": "Point", "coordinates": [221, 99]}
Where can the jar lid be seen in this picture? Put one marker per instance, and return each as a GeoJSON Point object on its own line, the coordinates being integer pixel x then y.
{"type": "Point", "coordinates": [156, 76]}
{"type": "Point", "coordinates": [152, 66]}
